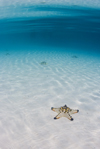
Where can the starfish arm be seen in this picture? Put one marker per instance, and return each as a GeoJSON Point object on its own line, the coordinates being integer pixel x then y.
{"type": "Point", "coordinates": [68, 116]}
{"type": "Point", "coordinates": [58, 116]}
{"type": "Point", "coordinates": [74, 111]}
{"type": "Point", "coordinates": [56, 109]}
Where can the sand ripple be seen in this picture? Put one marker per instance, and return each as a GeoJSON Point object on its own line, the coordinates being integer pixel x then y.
{"type": "Point", "coordinates": [28, 90]}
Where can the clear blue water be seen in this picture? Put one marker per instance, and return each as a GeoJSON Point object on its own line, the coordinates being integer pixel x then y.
{"type": "Point", "coordinates": [68, 39]}
{"type": "Point", "coordinates": [69, 27]}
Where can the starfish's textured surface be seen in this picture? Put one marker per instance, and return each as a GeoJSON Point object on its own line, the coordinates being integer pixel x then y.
{"type": "Point", "coordinates": [64, 112]}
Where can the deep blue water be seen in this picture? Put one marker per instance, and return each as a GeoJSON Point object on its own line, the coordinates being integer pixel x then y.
{"type": "Point", "coordinates": [72, 28]}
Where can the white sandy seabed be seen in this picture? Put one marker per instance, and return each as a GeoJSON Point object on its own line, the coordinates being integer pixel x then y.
{"type": "Point", "coordinates": [28, 90]}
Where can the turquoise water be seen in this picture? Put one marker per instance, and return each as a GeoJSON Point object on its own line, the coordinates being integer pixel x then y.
{"type": "Point", "coordinates": [73, 28]}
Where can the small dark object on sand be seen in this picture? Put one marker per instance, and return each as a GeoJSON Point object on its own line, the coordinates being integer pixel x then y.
{"type": "Point", "coordinates": [43, 2]}
{"type": "Point", "coordinates": [7, 54]}
{"type": "Point", "coordinates": [74, 56]}
{"type": "Point", "coordinates": [43, 63]}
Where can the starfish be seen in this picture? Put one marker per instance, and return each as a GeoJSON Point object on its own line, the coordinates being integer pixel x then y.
{"type": "Point", "coordinates": [64, 112]}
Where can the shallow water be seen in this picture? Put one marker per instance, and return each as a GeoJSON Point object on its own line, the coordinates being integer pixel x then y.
{"type": "Point", "coordinates": [49, 57]}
